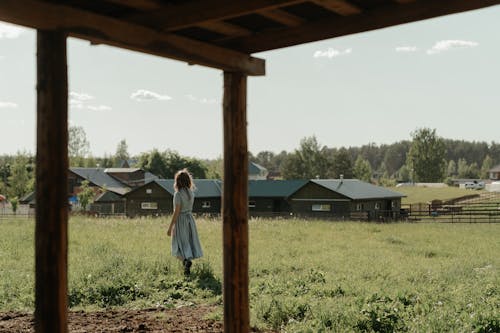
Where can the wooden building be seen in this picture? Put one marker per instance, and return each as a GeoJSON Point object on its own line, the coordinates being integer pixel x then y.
{"type": "Point", "coordinates": [221, 34]}
{"type": "Point", "coordinates": [345, 199]}
{"type": "Point", "coordinates": [271, 197]}
{"type": "Point", "coordinates": [156, 198]}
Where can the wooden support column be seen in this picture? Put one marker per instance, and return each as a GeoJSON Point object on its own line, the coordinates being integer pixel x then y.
{"type": "Point", "coordinates": [235, 204]}
{"type": "Point", "coordinates": [51, 242]}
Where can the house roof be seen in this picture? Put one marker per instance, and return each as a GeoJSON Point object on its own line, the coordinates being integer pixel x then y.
{"type": "Point", "coordinates": [356, 189]}
{"type": "Point", "coordinates": [28, 198]}
{"type": "Point", "coordinates": [496, 168]}
{"type": "Point", "coordinates": [108, 197]}
{"type": "Point", "coordinates": [205, 188]}
{"type": "Point", "coordinates": [121, 170]}
{"type": "Point", "coordinates": [98, 177]}
{"type": "Point", "coordinates": [221, 33]}
{"type": "Point", "coordinates": [274, 188]}
{"type": "Point", "coordinates": [255, 169]}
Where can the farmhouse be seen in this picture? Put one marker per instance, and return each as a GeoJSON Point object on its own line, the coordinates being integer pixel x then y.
{"type": "Point", "coordinates": [155, 198]}
{"type": "Point", "coordinates": [495, 172]}
{"type": "Point", "coordinates": [271, 197]}
{"type": "Point", "coordinates": [345, 198]}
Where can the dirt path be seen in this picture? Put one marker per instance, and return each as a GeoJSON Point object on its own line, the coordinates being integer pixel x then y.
{"type": "Point", "coordinates": [184, 319]}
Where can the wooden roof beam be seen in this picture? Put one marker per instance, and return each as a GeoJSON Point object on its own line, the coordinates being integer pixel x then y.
{"type": "Point", "coordinates": [196, 12]}
{"type": "Point", "coordinates": [282, 17]}
{"type": "Point", "coordinates": [378, 18]}
{"type": "Point", "coordinates": [139, 4]}
{"type": "Point", "coordinates": [104, 30]}
{"type": "Point", "coordinates": [341, 7]}
{"type": "Point", "coordinates": [226, 29]}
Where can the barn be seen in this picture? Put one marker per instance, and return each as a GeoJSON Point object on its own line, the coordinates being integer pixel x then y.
{"type": "Point", "coordinates": [270, 197]}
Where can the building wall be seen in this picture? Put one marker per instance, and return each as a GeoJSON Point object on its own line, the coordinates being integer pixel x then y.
{"type": "Point", "coordinates": [150, 199]}
{"type": "Point", "coordinates": [258, 206]}
{"type": "Point", "coordinates": [318, 201]}
{"type": "Point", "coordinates": [207, 205]}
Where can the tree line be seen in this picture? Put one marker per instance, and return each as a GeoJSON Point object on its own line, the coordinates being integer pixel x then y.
{"type": "Point", "coordinates": [425, 158]}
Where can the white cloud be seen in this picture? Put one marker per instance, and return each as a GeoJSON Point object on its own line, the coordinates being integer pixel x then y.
{"type": "Point", "coordinates": [201, 100]}
{"type": "Point", "coordinates": [80, 96]}
{"type": "Point", "coordinates": [406, 49]}
{"type": "Point", "coordinates": [10, 31]}
{"type": "Point", "coordinates": [8, 105]}
{"type": "Point", "coordinates": [146, 95]}
{"type": "Point", "coordinates": [446, 45]}
{"type": "Point", "coordinates": [99, 107]}
{"type": "Point", "coordinates": [331, 53]}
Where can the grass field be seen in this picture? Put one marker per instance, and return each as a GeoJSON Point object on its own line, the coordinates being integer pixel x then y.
{"type": "Point", "coordinates": [416, 194]}
{"type": "Point", "coordinates": [305, 276]}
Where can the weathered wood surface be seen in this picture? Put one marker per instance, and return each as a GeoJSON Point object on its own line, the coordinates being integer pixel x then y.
{"type": "Point", "coordinates": [101, 29]}
{"type": "Point", "coordinates": [235, 204]}
{"type": "Point", "coordinates": [51, 240]}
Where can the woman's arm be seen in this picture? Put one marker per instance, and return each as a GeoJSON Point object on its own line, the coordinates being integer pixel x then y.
{"type": "Point", "coordinates": [177, 211]}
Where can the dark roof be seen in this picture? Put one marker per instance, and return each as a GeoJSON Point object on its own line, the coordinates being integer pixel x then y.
{"type": "Point", "coordinates": [205, 188]}
{"type": "Point", "coordinates": [28, 198]}
{"type": "Point", "coordinates": [356, 189]}
{"type": "Point", "coordinates": [108, 197]}
{"type": "Point", "coordinates": [255, 169]}
{"type": "Point", "coordinates": [121, 170]}
{"type": "Point", "coordinates": [98, 177]}
{"type": "Point", "coordinates": [274, 188]}
{"type": "Point", "coordinates": [222, 33]}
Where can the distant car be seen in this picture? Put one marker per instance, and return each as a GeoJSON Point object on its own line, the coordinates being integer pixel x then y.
{"type": "Point", "coordinates": [474, 185]}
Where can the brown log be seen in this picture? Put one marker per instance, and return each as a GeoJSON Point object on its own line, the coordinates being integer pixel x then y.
{"type": "Point", "coordinates": [235, 204]}
{"type": "Point", "coordinates": [51, 240]}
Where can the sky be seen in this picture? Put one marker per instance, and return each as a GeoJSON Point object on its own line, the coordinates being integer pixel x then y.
{"type": "Point", "coordinates": [374, 87]}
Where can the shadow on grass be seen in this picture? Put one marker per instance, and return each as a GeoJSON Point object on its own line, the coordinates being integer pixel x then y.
{"type": "Point", "coordinates": [205, 279]}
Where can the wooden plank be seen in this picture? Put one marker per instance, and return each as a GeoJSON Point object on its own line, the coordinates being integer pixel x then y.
{"type": "Point", "coordinates": [341, 7]}
{"type": "Point", "coordinates": [226, 29]}
{"type": "Point", "coordinates": [282, 17]}
{"type": "Point", "coordinates": [235, 204]}
{"type": "Point", "coordinates": [199, 11]}
{"type": "Point", "coordinates": [139, 4]}
{"type": "Point", "coordinates": [51, 239]}
{"type": "Point", "coordinates": [380, 17]}
{"type": "Point", "coordinates": [111, 31]}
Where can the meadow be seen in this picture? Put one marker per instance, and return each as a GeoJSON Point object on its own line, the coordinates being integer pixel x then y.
{"type": "Point", "coordinates": [305, 276]}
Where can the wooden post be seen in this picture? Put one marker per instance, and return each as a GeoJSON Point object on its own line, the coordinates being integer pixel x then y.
{"type": "Point", "coordinates": [235, 204]}
{"type": "Point", "coordinates": [51, 242]}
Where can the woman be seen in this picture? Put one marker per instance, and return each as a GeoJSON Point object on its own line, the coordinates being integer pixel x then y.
{"type": "Point", "coordinates": [185, 243]}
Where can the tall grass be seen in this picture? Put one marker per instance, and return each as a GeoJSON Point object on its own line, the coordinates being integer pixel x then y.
{"type": "Point", "coordinates": [305, 276]}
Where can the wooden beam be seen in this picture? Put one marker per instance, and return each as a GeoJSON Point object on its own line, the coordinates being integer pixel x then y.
{"type": "Point", "coordinates": [380, 17]}
{"type": "Point", "coordinates": [341, 7]}
{"type": "Point", "coordinates": [139, 4]}
{"type": "Point", "coordinates": [197, 12]}
{"type": "Point", "coordinates": [105, 30]}
{"type": "Point", "coordinates": [282, 17]}
{"type": "Point", "coordinates": [235, 204]}
{"type": "Point", "coordinates": [226, 29]}
{"type": "Point", "coordinates": [51, 235]}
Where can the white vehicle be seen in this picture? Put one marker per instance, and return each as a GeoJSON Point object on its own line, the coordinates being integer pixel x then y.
{"type": "Point", "coordinates": [475, 185]}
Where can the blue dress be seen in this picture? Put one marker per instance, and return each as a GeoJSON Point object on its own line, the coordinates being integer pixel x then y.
{"type": "Point", "coordinates": [185, 241]}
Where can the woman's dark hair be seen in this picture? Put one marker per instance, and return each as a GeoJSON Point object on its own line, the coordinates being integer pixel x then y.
{"type": "Point", "coordinates": [183, 179]}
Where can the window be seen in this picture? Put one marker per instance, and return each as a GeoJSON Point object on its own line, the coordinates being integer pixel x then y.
{"type": "Point", "coordinates": [149, 205]}
{"type": "Point", "coordinates": [206, 204]}
{"type": "Point", "coordinates": [149, 191]}
{"type": "Point", "coordinates": [394, 204]}
{"type": "Point", "coordinates": [377, 205]}
{"type": "Point", "coordinates": [359, 207]}
{"type": "Point", "coordinates": [251, 204]}
{"type": "Point", "coordinates": [321, 208]}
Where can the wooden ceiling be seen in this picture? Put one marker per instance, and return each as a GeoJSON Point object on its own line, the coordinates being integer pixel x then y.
{"type": "Point", "coordinates": [221, 33]}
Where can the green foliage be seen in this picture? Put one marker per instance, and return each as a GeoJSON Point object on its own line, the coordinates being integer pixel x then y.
{"type": "Point", "coordinates": [426, 156]}
{"type": "Point", "coordinates": [341, 165]}
{"type": "Point", "coordinates": [85, 194]}
{"type": "Point", "coordinates": [21, 176]}
{"type": "Point", "coordinates": [14, 202]}
{"type": "Point", "coordinates": [307, 162]}
{"type": "Point", "coordinates": [486, 167]}
{"type": "Point", "coordinates": [166, 164]}
{"type": "Point", "coordinates": [122, 152]}
{"type": "Point", "coordinates": [362, 169]}
{"type": "Point", "coordinates": [78, 146]}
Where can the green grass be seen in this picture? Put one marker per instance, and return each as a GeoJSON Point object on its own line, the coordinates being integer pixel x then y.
{"type": "Point", "coordinates": [416, 194]}
{"type": "Point", "coordinates": [305, 276]}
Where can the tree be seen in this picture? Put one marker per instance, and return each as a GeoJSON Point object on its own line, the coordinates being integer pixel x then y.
{"type": "Point", "coordinates": [122, 152]}
{"type": "Point", "coordinates": [341, 165]}
{"type": "Point", "coordinates": [20, 178]}
{"type": "Point", "coordinates": [486, 166]}
{"type": "Point", "coordinates": [451, 170]}
{"type": "Point", "coordinates": [78, 146]}
{"type": "Point", "coordinates": [166, 164]}
{"type": "Point", "coordinates": [426, 156]}
{"type": "Point", "coordinates": [85, 195]}
{"type": "Point", "coordinates": [14, 202]}
{"type": "Point", "coordinates": [362, 169]}
{"type": "Point", "coordinates": [462, 168]}
{"type": "Point", "coordinates": [307, 162]}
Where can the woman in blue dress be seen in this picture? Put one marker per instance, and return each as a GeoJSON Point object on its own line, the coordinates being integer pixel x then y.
{"type": "Point", "coordinates": [185, 242]}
